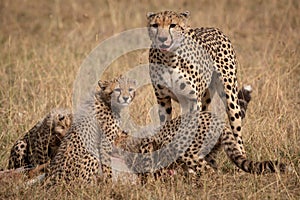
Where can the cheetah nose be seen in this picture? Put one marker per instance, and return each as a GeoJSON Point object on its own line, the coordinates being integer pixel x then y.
{"type": "Point", "coordinates": [162, 39]}
{"type": "Point", "coordinates": [125, 98]}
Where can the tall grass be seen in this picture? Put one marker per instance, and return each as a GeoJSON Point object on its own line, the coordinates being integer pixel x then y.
{"type": "Point", "coordinates": [43, 44]}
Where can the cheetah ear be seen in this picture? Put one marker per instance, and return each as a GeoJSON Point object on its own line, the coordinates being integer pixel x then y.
{"type": "Point", "coordinates": [150, 14]}
{"type": "Point", "coordinates": [185, 14]}
{"type": "Point", "coordinates": [102, 84]}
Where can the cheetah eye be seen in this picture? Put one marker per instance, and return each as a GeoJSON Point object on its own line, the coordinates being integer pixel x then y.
{"type": "Point", "coordinates": [117, 90]}
{"type": "Point", "coordinates": [172, 25]}
{"type": "Point", "coordinates": [154, 25]}
{"type": "Point", "coordinates": [131, 89]}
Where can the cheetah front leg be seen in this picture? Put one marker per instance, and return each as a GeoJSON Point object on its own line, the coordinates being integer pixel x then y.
{"type": "Point", "coordinates": [205, 100]}
{"type": "Point", "coordinates": [106, 166]}
{"type": "Point", "coordinates": [105, 160]}
{"type": "Point", "coordinates": [196, 166]}
{"type": "Point", "coordinates": [165, 104]}
{"type": "Point", "coordinates": [107, 171]}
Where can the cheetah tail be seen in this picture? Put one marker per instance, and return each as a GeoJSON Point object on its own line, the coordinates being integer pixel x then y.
{"type": "Point", "coordinates": [232, 150]}
{"type": "Point", "coordinates": [258, 167]}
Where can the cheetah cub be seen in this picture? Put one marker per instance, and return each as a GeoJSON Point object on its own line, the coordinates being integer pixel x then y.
{"type": "Point", "coordinates": [84, 154]}
{"type": "Point", "coordinates": [41, 142]}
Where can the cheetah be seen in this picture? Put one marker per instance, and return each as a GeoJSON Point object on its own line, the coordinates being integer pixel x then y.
{"type": "Point", "coordinates": [186, 141]}
{"type": "Point", "coordinates": [167, 132]}
{"type": "Point", "coordinates": [85, 150]}
{"type": "Point", "coordinates": [189, 65]}
{"type": "Point", "coordinates": [40, 143]}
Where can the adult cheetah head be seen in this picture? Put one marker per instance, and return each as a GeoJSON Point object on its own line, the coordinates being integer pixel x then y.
{"type": "Point", "coordinates": [165, 29]}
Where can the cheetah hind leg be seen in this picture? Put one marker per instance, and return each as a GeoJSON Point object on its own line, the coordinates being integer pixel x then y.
{"type": "Point", "coordinates": [228, 92]}
{"type": "Point", "coordinates": [19, 155]}
{"type": "Point", "coordinates": [244, 97]}
{"type": "Point", "coordinates": [211, 157]}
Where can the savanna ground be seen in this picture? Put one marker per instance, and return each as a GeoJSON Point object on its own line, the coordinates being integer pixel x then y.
{"type": "Point", "coordinates": [43, 44]}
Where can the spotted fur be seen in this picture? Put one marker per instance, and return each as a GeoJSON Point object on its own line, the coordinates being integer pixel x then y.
{"type": "Point", "coordinates": [85, 150]}
{"type": "Point", "coordinates": [190, 142]}
{"type": "Point", "coordinates": [189, 65]}
{"type": "Point", "coordinates": [40, 143]}
{"type": "Point", "coordinates": [186, 141]}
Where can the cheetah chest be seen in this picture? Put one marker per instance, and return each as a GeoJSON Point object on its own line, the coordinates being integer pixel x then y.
{"type": "Point", "coordinates": [182, 75]}
{"type": "Point", "coordinates": [171, 82]}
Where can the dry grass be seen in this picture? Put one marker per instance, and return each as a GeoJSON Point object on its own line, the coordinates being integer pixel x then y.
{"type": "Point", "coordinates": [44, 43]}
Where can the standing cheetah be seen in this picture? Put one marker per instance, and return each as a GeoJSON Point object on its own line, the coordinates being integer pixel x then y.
{"type": "Point", "coordinates": [86, 148]}
{"type": "Point", "coordinates": [189, 64]}
{"type": "Point", "coordinates": [40, 143]}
